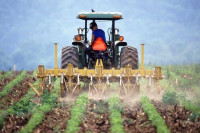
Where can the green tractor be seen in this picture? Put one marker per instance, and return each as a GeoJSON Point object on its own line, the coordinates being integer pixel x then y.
{"type": "Point", "coordinates": [82, 66]}
{"type": "Point", "coordinates": [112, 57]}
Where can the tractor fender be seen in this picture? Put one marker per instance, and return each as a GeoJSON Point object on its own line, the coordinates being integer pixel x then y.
{"type": "Point", "coordinates": [79, 43]}
{"type": "Point", "coordinates": [120, 43]}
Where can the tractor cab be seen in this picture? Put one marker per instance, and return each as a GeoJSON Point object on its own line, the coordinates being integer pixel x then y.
{"type": "Point", "coordinates": [113, 42]}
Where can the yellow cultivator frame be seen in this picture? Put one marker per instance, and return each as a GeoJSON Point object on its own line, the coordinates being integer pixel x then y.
{"type": "Point", "coordinates": [101, 76]}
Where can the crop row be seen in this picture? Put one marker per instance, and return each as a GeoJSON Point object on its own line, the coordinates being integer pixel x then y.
{"type": "Point", "coordinates": [19, 107]}
{"type": "Point", "coordinates": [77, 113]}
{"type": "Point", "coordinates": [5, 75]}
{"type": "Point", "coordinates": [78, 110]}
{"type": "Point", "coordinates": [153, 115]}
{"type": "Point", "coordinates": [48, 102]}
{"type": "Point", "coordinates": [115, 115]}
{"type": "Point", "coordinates": [14, 82]}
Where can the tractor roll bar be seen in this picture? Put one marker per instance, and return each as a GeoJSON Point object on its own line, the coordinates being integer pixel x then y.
{"type": "Point", "coordinates": [85, 31]}
{"type": "Point", "coordinates": [113, 42]}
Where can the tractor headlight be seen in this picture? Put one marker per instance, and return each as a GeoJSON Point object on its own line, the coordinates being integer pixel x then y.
{"type": "Point", "coordinates": [121, 38]}
{"type": "Point", "coordinates": [78, 38]}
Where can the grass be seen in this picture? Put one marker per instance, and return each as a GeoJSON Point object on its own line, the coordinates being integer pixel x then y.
{"type": "Point", "coordinates": [14, 82]}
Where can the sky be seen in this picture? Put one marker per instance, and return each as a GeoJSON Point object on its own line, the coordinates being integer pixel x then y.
{"type": "Point", "coordinates": [170, 29]}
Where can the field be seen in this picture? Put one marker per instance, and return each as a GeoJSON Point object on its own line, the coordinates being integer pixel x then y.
{"type": "Point", "coordinates": [175, 109]}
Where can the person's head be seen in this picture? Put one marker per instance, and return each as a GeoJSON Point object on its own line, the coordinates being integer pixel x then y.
{"type": "Point", "coordinates": [93, 26]}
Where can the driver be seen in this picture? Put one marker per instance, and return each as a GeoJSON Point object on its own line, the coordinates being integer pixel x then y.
{"type": "Point", "coordinates": [96, 32]}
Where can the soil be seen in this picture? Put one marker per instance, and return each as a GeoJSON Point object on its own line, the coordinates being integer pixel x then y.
{"type": "Point", "coordinates": [96, 118]}
{"type": "Point", "coordinates": [177, 118]}
{"type": "Point", "coordinates": [54, 121]}
{"type": "Point", "coordinates": [136, 121]}
{"type": "Point", "coordinates": [18, 91]}
{"type": "Point", "coordinates": [14, 124]}
{"type": "Point", "coordinates": [6, 80]}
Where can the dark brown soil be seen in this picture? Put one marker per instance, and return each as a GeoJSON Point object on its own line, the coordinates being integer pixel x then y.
{"type": "Point", "coordinates": [96, 118]}
{"type": "Point", "coordinates": [5, 81]}
{"type": "Point", "coordinates": [136, 121]}
{"type": "Point", "coordinates": [177, 118]}
{"type": "Point", "coordinates": [14, 124]}
{"type": "Point", "coordinates": [18, 91]}
{"type": "Point", "coordinates": [54, 121]}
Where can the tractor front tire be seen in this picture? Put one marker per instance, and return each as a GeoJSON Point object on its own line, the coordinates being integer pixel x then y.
{"type": "Point", "coordinates": [69, 55]}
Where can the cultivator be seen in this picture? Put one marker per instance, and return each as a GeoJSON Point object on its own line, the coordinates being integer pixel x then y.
{"type": "Point", "coordinates": [99, 78]}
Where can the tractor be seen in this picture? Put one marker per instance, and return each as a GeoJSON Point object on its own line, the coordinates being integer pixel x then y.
{"type": "Point", "coordinates": [112, 57]}
{"type": "Point", "coordinates": [96, 69]}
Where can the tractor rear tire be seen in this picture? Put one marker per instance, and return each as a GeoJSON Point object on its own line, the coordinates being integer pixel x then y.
{"type": "Point", "coordinates": [69, 55]}
{"type": "Point", "coordinates": [129, 55]}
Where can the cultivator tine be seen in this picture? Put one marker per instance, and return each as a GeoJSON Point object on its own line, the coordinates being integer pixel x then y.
{"type": "Point", "coordinates": [65, 83]}
{"type": "Point", "coordinates": [91, 83]}
{"type": "Point", "coordinates": [157, 87]}
{"type": "Point", "coordinates": [103, 90]}
{"type": "Point", "coordinates": [137, 78]}
{"type": "Point", "coordinates": [107, 79]}
{"type": "Point", "coordinates": [34, 89]}
{"type": "Point", "coordinates": [49, 79]}
{"type": "Point", "coordinates": [120, 82]}
{"type": "Point", "coordinates": [41, 86]}
{"type": "Point", "coordinates": [78, 79]}
{"type": "Point", "coordinates": [78, 83]}
{"type": "Point", "coordinates": [74, 88]}
{"type": "Point", "coordinates": [62, 79]}
{"type": "Point", "coordinates": [95, 88]}
{"type": "Point", "coordinates": [50, 88]}
{"type": "Point", "coordinates": [148, 87]}
{"type": "Point", "coordinates": [132, 89]}
{"type": "Point", "coordinates": [50, 85]}
{"type": "Point", "coordinates": [77, 86]}
{"type": "Point", "coordinates": [62, 91]}
{"type": "Point", "coordinates": [150, 80]}
{"type": "Point", "coordinates": [124, 88]}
